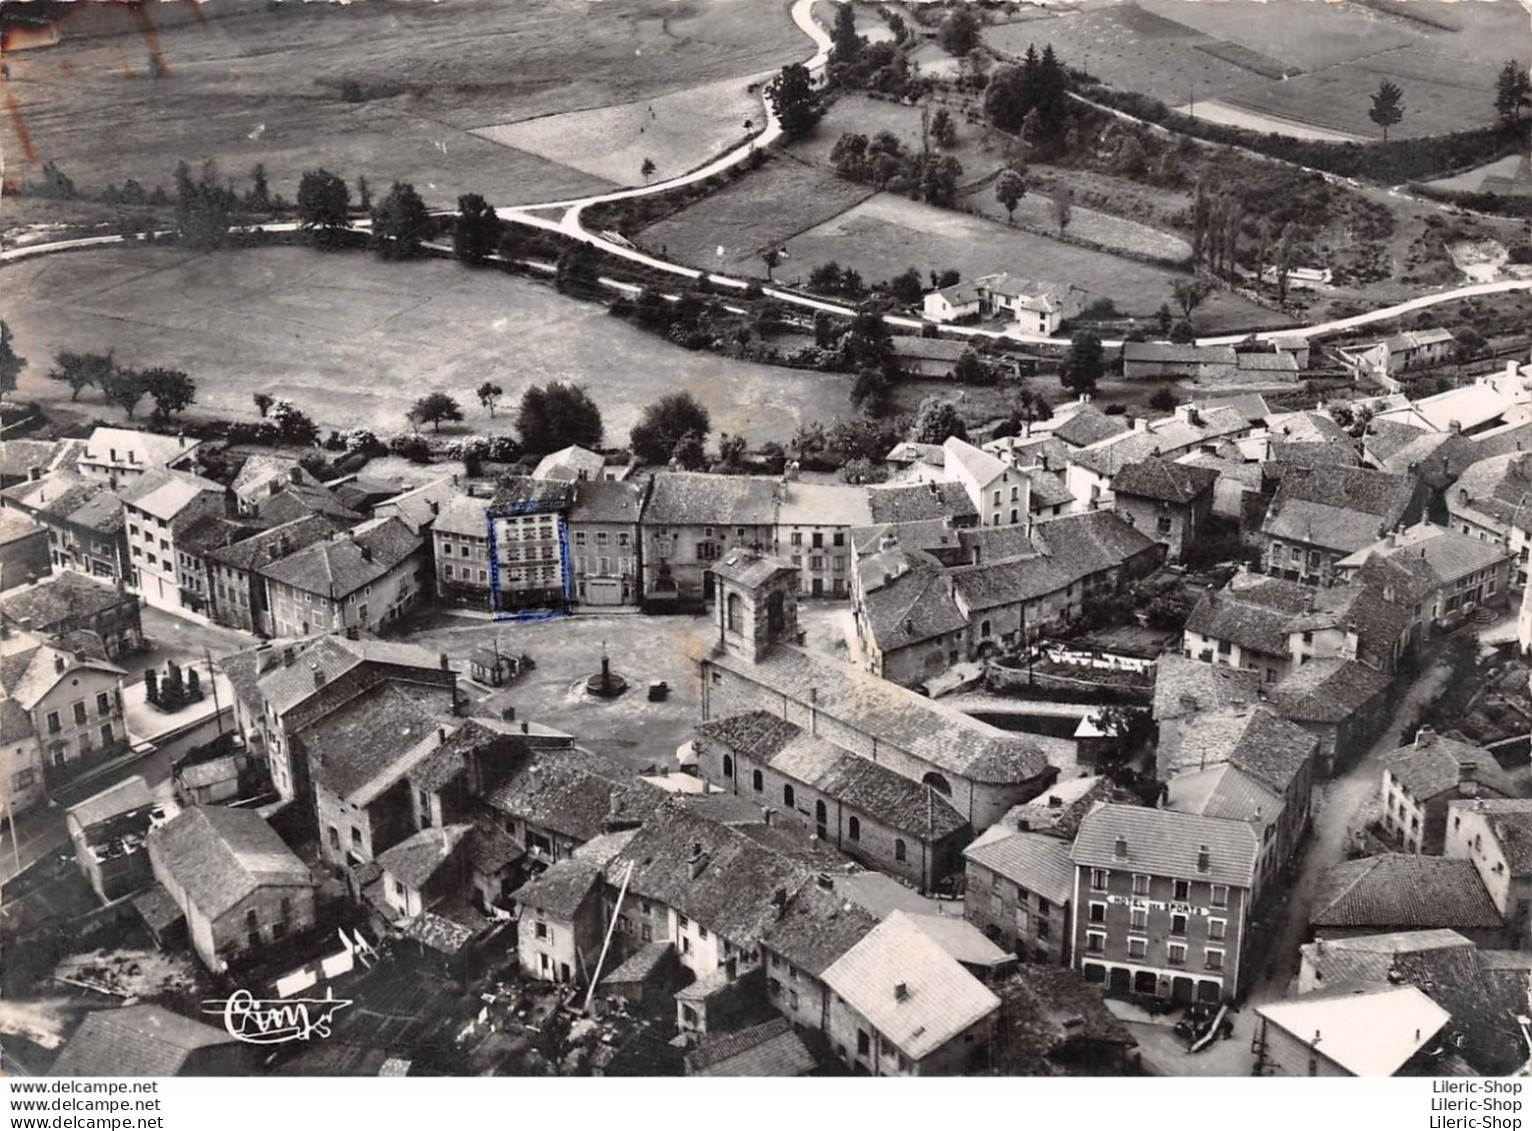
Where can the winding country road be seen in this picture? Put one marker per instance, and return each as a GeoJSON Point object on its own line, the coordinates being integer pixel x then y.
{"type": "Point", "coordinates": [565, 217]}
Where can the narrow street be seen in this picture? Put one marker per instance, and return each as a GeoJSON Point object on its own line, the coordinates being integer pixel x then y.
{"type": "Point", "coordinates": [1336, 805]}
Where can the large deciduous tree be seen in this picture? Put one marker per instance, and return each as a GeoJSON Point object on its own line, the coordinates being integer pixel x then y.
{"type": "Point", "coordinates": [665, 423]}
{"type": "Point", "coordinates": [324, 205]}
{"type": "Point", "coordinates": [1010, 187]}
{"type": "Point", "coordinates": [477, 233]}
{"type": "Point", "coordinates": [556, 415]}
{"type": "Point", "coordinates": [794, 100]}
{"type": "Point", "coordinates": [400, 223]}
{"type": "Point", "coordinates": [958, 32]}
{"type": "Point", "coordinates": [936, 421]}
{"type": "Point", "coordinates": [1084, 363]}
{"type": "Point", "coordinates": [433, 408]}
{"type": "Point", "coordinates": [80, 371]}
{"type": "Point", "coordinates": [11, 363]}
{"type": "Point", "coordinates": [489, 395]}
{"type": "Point", "coordinates": [171, 390]}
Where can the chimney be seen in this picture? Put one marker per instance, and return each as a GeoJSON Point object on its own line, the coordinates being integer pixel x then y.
{"type": "Point", "coordinates": [697, 862]}
{"type": "Point", "coordinates": [901, 991]}
{"type": "Point", "coordinates": [59, 663]}
{"type": "Point", "coordinates": [813, 710]}
{"type": "Point", "coordinates": [181, 438]}
{"type": "Point", "coordinates": [366, 552]}
{"type": "Point", "coordinates": [442, 658]}
{"type": "Point", "coordinates": [441, 734]}
{"type": "Point", "coordinates": [1425, 737]}
{"type": "Point", "coordinates": [1468, 778]}
{"type": "Point", "coordinates": [295, 473]}
{"type": "Point", "coordinates": [824, 881]}
{"type": "Point", "coordinates": [34, 473]}
{"type": "Point", "coordinates": [287, 657]}
{"type": "Point", "coordinates": [1120, 849]}
{"type": "Point", "coordinates": [318, 675]}
{"type": "Point", "coordinates": [524, 726]}
{"type": "Point", "coordinates": [1454, 427]}
{"type": "Point", "coordinates": [1204, 858]}
{"type": "Point", "coordinates": [1055, 801]}
{"type": "Point", "coordinates": [1140, 424]}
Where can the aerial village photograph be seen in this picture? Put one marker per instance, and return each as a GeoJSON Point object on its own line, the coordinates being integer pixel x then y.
{"type": "Point", "coordinates": [792, 538]}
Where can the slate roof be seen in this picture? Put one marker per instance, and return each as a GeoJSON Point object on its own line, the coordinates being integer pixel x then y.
{"type": "Point", "coordinates": [1163, 481]}
{"type": "Point", "coordinates": [907, 599]}
{"type": "Point", "coordinates": [771, 1049]}
{"type": "Point", "coordinates": [462, 514]}
{"type": "Point", "coordinates": [1163, 843]}
{"type": "Point", "coordinates": [946, 738]}
{"type": "Point", "coordinates": [220, 856]}
{"type": "Point", "coordinates": [816, 928]}
{"type": "Point", "coordinates": [1510, 819]}
{"type": "Point", "coordinates": [1430, 767]}
{"type": "Point", "coordinates": [381, 734]}
{"type": "Point", "coordinates": [1183, 686]}
{"type": "Point", "coordinates": [135, 1040]}
{"type": "Point", "coordinates": [1483, 1027]}
{"type": "Point", "coordinates": [1438, 554]}
{"type": "Point", "coordinates": [1252, 739]}
{"type": "Point", "coordinates": [1403, 891]}
{"type": "Point", "coordinates": [1386, 437]}
{"type": "Point", "coordinates": [1498, 486]}
{"type": "Point", "coordinates": [606, 500]}
{"type": "Point", "coordinates": [919, 501]}
{"type": "Point", "coordinates": [560, 891]}
{"type": "Point", "coordinates": [1048, 490]}
{"type": "Point", "coordinates": [544, 494]}
{"type": "Point", "coordinates": [1037, 861]}
{"type": "Point", "coordinates": [1108, 457]}
{"type": "Point", "coordinates": [581, 461]}
{"type": "Point", "coordinates": [1327, 690]}
{"type": "Point", "coordinates": [1226, 792]}
{"type": "Point", "coordinates": [340, 566]}
{"type": "Point", "coordinates": [685, 498]}
{"type": "Point", "coordinates": [750, 569]}
{"type": "Point", "coordinates": [880, 793]}
{"type": "Point", "coordinates": [1091, 543]}
{"type": "Point", "coordinates": [415, 859]}
{"type": "Point", "coordinates": [166, 494]}
{"type": "Point", "coordinates": [1088, 425]}
{"type": "Point", "coordinates": [127, 795]}
{"type": "Point", "coordinates": [1176, 354]}
{"type": "Point", "coordinates": [1384, 496]}
{"type": "Point", "coordinates": [1370, 1029]}
{"type": "Point", "coordinates": [1309, 455]}
{"type": "Point", "coordinates": [418, 507]}
{"type": "Point", "coordinates": [295, 501]}
{"type": "Point", "coordinates": [940, 999]}
{"type": "Point", "coordinates": [1371, 957]}
{"type": "Point", "coordinates": [823, 504]}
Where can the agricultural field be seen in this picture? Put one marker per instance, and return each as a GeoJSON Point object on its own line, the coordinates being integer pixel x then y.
{"type": "Point", "coordinates": [727, 230]}
{"type": "Point", "coordinates": [677, 132]}
{"type": "Point", "coordinates": [886, 234]}
{"type": "Point", "coordinates": [1473, 179]}
{"type": "Point", "coordinates": [354, 340]}
{"type": "Point", "coordinates": [1299, 68]}
{"type": "Point", "coordinates": [387, 89]}
{"type": "Point", "coordinates": [869, 25]}
{"type": "Point", "coordinates": [1112, 232]}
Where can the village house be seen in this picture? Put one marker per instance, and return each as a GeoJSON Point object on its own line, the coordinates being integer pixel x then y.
{"type": "Point", "coordinates": [21, 459]}
{"type": "Point", "coordinates": [280, 691]}
{"type": "Point", "coordinates": [122, 456]}
{"type": "Point", "coordinates": [150, 1041]}
{"type": "Point", "coordinates": [21, 760]}
{"type": "Point", "coordinates": [813, 528]}
{"type": "Point", "coordinates": [1163, 901]}
{"type": "Point", "coordinates": [772, 1048]}
{"type": "Point", "coordinates": [920, 502]}
{"type": "Point", "coordinates": [109, 830]}
{"type": "Point", "coordinates": [606, 541]}
{"type": "Point", "coordinates": [757, 665]}
{"type": "Point", "coordinates": [240, 888]}
{"type": "Point", "coordinates": [814, 929]}
{"type": "Point", "coordinates": [1168, 361]}
{"type": "Point", "coordinates": [71, 602]}
{"type": "Point", "coordinates": [575, 464]}
{"type": "Point", "coordinates": [1054, 1023]}
{"type": "Point", "coordinates": [1487, 404]}
{"type": "Point", "coordinates": [426, 876]}
{"type": "Point", "coordinates": [1037, 308]}
{"type": "Point", "coordinates": [238, 590]}
{"type": "Point", "coordinates": [957, 303]}
{"type": "Point", "coordinates": [1323, 514]}
{"type": "Point", "coordinates": [159, 507]}
{"type": "Point", "coordinates": [872, 814]}
{"type": "Point", "coordinates": [1020, 891]}
{"type": "Point", "coordinates": [926, 358]}
{"type": "Point", "coordinates": [418, 507]}
{"type": "Point", "coordinates": [1324, 963]}
{"type": "Point", "coordinates": [1089, 474]}
{"type": "Point", "coordinates": [1362, 1030]}
{"type": "Point", "coordinates": [559, 926]}
{"type": "Point", "coordinates": [528, 549]}
{"type": "Point", "coordinates": [690, 520]}
{"type": "Point", "coordinates": [460, 552]}
{"type": "Point", "coordinates": [1169, 502]}
{"type": "Point", "coordinates": [24, 555]}
{"type": "Point", "coordinates": [1343, 703]}
{"type": "Point", "coordinates": [1435, 572]}
{"type": "Point", "coordinates": [1413, 349]}
{"type": "Point", "coordinates": [1496, 835]}
{"type": "Point", "coordinates": [84, 521]}
{"type": "Point", "coordinates": [902, 1006]}
{"type": "Point", "coordinates": [1489, 501]}
{"type": "Point", "coordinates": [1080, 424]}
{"type": "Point", "coordinates": [367, 577]}
{"type": "Point", "coordinates": [1420, 781]}
{"type": "Point", "coordinates": [72, 699]}
{"type": "Point", "coordinates": [1404, 892]}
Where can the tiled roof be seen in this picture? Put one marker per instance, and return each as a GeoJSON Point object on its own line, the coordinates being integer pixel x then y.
{"type": "Point", "coordinates": [1511, 822]}
{"type": "Point", "coordinates": [1172, 353]}
{"type": "Point", "coordinates": [1226, 792]}
{"type": "Point", "coordinates": [415, 859]}
{"type": "Point", "coordinates": [285, 685]}
{"type": "Point", "coordinates": [165, 494]}
{"type": "Point", "coordinates": [816, 928]}
{"type": "Point", "coordinates": [1183, 686]}
{"type": "Point", "coordinates": [1048, 490]}
{"type": "Point", "coordinates": [907, 599]}
{"type": "Point", "coordinates": [1163, 843]}
{"type": "Point", "coordinates": [59, 597]}
{"type": "Point", "coordinates": [1369, 1029]}
{"type": "Point", "coordinates": [491, 849]}
{"type": "Point", "coordinates": [273, 544]}
{"type": "Point", "coordinates": [1327, 690]}
{"type": "Point", "coordinates": [1498, 486]}
{"type": "Point", "coordinates": [1089, 425]}
{"type": "Point", "coordinates": [978, 463]}
{"type": "Point", "coordinates": [1257, 616]}
{"type": "Point", "coordinates": [1091, 543]}
{"type": "Point", "coordinates": [1432, 765]}
{"type": "Point", "coordinates": [220, 856]}
{"type": "Point", "coordinates": [930, 534]}
{"type": "Point", "coordinates": [295, 501]}
{"type": "Point", "coordinates": [920, 501]}
{"type": "Point", "coordinates": [605, 500]}
{"type": "Point", "coordinates": [1037, 861]}
{"type": "Point", "coordinates": [19, 457]}
{"type": "Point", "coordinates": [939, 1000]}
{"type": "Point", "coordinates": [15, 526]}
{"type": "Point", "coordinates": [685, 498]}
{"type": "Point", "coordinates": [1047, 1009]}
{"type": "Point", "coordinates": [573, 458]}
{"type": "Point", "coordinates": [1253, 739]}
{"type": "Point", "coordinates": [29, 668]}
{"type": "Point", "coordinates": [1163, 481]}
{"type": "Point", "coordinates": [418, 507]}
{"type": "Point", "coordinates": [1306, 455]}
{"type": "Point", "coordinates": [1402, 891]}
{"type": "Point", "coordinates": [1444, 554]}
{"type": "Point", "coordinates": [560, 890]}
{"type": "Point", "coordinates": [1060, 808]}
{"type": "Point", "coordinates": [340, 566]}
{"type": "Point", "coordinates": [1386, 437]}
{"type": "Point", "coordinates": [643, 964]}
{"type": "Point", "coordinates": [1484, 1027]}
{"type": "Point", "coordinates": [946, 738]}
{"type": "Point", "coordinates": [573, 792]}
{"type": "Point", "coordinates": [383, 732]}
{"type": "Point", "coordinates": [463, 514]}
{"type": "Point", "coordinates": [855, 782]}
{"type": "Point", "coordinates": [961, 939]}
{"type": "Point", "coordinates": [823, 504]}
{"type": "Point", "coordinates": [524, 490]}
{"type": "Point", "coordinates": [1252, 406]}
{"type": "Point", "coordinates": [148, 449]}
{"type": "Point", "coordinates": [1383, 496]}
{"type": "Point", "coordinates": [771, 1049]}
{"type": "Point", "coordinates": [1370, 957]}
{"type": "Point", "coordinates": [1108, 457]}
{"type": "Point", "coordinates": [1253, 362]}
{"type": "Point", "coordinates": [749, 569]}
{"type": "Point", "coordinates": [928, 349]}
{"type": "Point", "coordinates": [135, 1040]}
{"type": "Point", "coordinates": [1319, 524]}
{"type": "Point", "coordinates": [127, 795]}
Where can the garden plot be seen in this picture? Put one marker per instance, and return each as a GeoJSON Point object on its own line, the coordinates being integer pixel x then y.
{"type": "Point", "coordinates": [677, 132]}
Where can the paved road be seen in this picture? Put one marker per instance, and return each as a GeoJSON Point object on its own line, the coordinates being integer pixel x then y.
{"type": "Point", "coordinates": [1336, 805]}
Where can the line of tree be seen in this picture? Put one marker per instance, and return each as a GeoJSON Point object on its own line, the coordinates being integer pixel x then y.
{"type": "Point", "coordinates": [172, 391]}
{"type": "Point", "coordinates": [1032, 98]}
